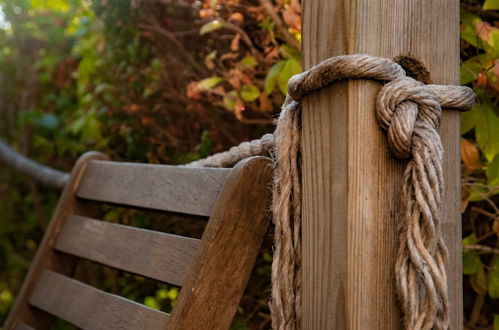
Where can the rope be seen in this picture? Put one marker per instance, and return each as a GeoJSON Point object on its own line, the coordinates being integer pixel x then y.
{"type": "Point", "coordinates": [233, 155]}
{"type": "Point", "coordinates": [410, 113]}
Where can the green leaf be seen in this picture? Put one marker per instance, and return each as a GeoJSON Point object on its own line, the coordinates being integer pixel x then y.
{"type": "Point", "coordinates": [238, 324]}
{"type": "Point", "coordinates": [152, 302]}
{"type": "Point", "coordinates": [248, 62]}
{"type": "Point", "coordinates": [212, 55]}
{"type": "Point", "coordinates": [494, 281]}
{"type": "Point", "coordinates": [471, 260]}
{"type": "Point", "coordinates": [271, 78]}
{"type": "Point", "coordinates": [230, 100]}
{"type": "Point", "coordinates": [494, 41]}
{"type": "Point", "coordinates": [267, 257]}
{"type": "Point", "coordinates": [54, 5]}
{"type": "Point", "coordinates": [205, 147]}
{"type": "Point", "coordinates": [487, 131]}
{"type": "Point", "coordinates": [290, 52]}
{"type": "Point", "coordinates": [249, 93]}
{"type": "Point", "coordinates": [211, 26]}
{"type": "Point", "coordinates": [470, 239]}
{"type": "Point", "coordinates": [48, 121]}
{"type": "Point", "coordinates": [210, 82]}
{"type": "Point", "coordinates": [162, 294]}
{"type": "Point", "coordinates": [469, 119]}
{"type": "Point", "coordinates": [478, 281]}
{"type": "Point", "coordinates": [76, 126]}
{"type": "Point", "coordinates": [289, 69]}
{"type": "Point", "coordinates": [114, 214]}
{"type": "Point", "coordinates": [492, 172]}
{"type": "Point", "coordinates": [92, 130]}
{"type": "Point", "coordinates": [496, 321]}
{"type": "Point", "coordinates": [173, 293]}
{"type": "Point", "coordinates": [491, 5]}
{"type": "Point", "coordinates": [468, 30]}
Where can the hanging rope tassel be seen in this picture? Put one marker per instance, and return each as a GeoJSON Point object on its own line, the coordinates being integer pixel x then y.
{"type": "Point", "coordinates": [410, 112]}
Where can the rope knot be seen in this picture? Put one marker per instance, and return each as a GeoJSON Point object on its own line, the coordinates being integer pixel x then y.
{"type": "Point", "coordinates": [402, 106]}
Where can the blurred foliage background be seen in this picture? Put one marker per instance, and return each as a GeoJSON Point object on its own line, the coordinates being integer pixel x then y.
{"type": "Point", "coordinates": [166, 81]}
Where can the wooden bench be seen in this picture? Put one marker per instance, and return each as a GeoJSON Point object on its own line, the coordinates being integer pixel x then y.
{"type": "Point", "coordinates": [213, 272]}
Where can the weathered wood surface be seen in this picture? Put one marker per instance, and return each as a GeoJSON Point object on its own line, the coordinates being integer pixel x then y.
{"type": "Point", "coordinates": [89, 308]}
{"type": "Point", "coordinates": [162, 187]}
{"type": "Point", "coordinates": [228, 250]}
{"type": "Point", "coordinates": [351, 183]}
{"type": "Point", "coordinates": [156, 255]}
{"type": "Point", "coordinates": [46, 257]}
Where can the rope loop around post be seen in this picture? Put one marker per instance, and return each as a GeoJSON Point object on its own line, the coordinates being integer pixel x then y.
{"type": "Point", "coordinates": [410, 112]}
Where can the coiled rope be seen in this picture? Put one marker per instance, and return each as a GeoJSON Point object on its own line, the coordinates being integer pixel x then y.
{"type": "Point", "coordinates": [410, 112]}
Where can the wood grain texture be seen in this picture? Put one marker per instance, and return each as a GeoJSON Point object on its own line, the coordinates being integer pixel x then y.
{"type": "Point", "coordinates": [228, 250]}
{"type": "Point", "coordinates": [46, 257]}
{"type": "Point", "coordinates": [160, 256]}
{"type": "Point", "coordinates": [89, 308]}
{"type": "Point", "coordinates": [187, 190]}
{"type": "Point", "coordinates": [351, 183]}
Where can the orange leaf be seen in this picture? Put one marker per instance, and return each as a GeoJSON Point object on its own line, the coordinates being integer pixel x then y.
{"type": "Point", "coordinates": [206, 13]}
{"type": "Point", "coordinates": [236, 18]}
{"type": "Point", "coordinates": [295, 4]}
{"type": "Point", "coordinates": [292, 19]}
{"type": "Point", "coordinates": [130, 107]}
{"type": "Point", "coordinates": [481, 80]}
{"type": "Point", "coordinates": [483, 30]}
{"type": "Point", "coordinates": [234, 45]}
{"type": "Point", "coordinates": [495, 226]}
{"type": "Point", "coordinates": [470, 156]}
{"type": "Point", "coordinates": [146, 120]}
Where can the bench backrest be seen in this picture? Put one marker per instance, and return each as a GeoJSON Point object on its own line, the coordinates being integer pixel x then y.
{"type": "Point", "coordinates": [212, 272]}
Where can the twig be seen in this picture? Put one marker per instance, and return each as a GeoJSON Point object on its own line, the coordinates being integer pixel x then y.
{"type": "Point", "coordinates": [485, 197]}
{"type": "Point", "coordinates": [257, 121]}
{"type": "Point", "coordinates": [267, 5]}
{"type": "Point", "coordinates": [178, 45]}
{"type": "Point", "coordinates": [483, 212]}
{"type": "Point", "coordinates": [244, 36]}
{"type": "Point", "coordinates": [480, 298]}
{"type": "Point", "coordinates": [481, 248]}
{"type": "Point", "coordinates": [485, 236]}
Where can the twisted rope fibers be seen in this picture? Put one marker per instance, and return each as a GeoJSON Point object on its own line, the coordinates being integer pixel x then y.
{"type": "Point", "coordinates": [410, 112]}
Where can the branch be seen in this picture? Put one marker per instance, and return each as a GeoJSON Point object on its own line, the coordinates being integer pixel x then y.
{"type": "Point", "coordinates": [279, 23]}
{"type": "Point", "coordinates": [481, 248]}
{"type": "Point", "coordinates": [38, 172]}
{"type": "Point", "coordinates": [154, 27]}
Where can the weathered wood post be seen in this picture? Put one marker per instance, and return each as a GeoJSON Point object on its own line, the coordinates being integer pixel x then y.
{"type": "Point", "coordinates": [351, 182]}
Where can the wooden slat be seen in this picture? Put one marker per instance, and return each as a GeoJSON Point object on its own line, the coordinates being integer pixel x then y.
{"type": "Point", "coordinates": [161, 187]}
{"type": "Point", "coordinates": [46, 257]}
{"type": "Point", "coordinates": [89, 308]}
{"type": "Point", "coordinates": [228, 249]}
{"type": "Point", "coordinates": [156, 255]}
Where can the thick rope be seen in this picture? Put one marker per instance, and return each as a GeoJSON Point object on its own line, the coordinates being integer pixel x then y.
{"type": "Point", "coordinates": [410, 113]}
{"type": "Point", "coordinates": [257, 147]}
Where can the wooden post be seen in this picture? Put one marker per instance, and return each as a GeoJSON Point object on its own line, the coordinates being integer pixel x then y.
{"type": "Point", "coordinates": [351, 182]}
